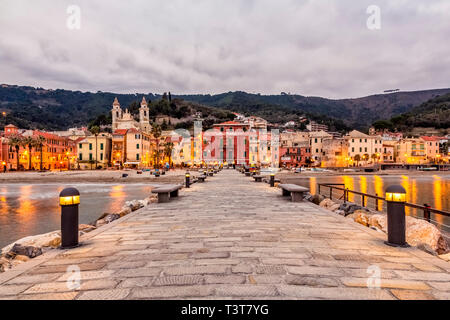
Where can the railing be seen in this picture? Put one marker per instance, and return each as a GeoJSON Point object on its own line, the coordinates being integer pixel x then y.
{"type": "Point", "coordinates": [427, 210]}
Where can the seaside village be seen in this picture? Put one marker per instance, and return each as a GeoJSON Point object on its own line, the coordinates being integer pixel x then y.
{"type": "Point", "coordinates": [138, 145]}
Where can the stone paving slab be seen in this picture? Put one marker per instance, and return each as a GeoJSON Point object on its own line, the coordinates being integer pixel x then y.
{"type": "Point", "coordinates": [230, 238]}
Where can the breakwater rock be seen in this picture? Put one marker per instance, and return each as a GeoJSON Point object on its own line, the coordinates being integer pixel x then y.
{"type": "Point", "coordinates": [30, 247]}
{"type": "Point", "coordinates": [419, 233]}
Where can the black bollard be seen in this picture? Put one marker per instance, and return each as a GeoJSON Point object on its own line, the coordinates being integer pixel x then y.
{"type": "Point", "coordinates": [69, 200]}
{"type": "Point", "coordinates": [272, 180]}
{"type": "Point", "coordinates": [396, 198]}
{"type": "Point", "coordinates": [188, 178]}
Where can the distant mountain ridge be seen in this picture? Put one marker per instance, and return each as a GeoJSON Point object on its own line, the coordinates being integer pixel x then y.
{"type": "Point", "coordinates": [433, 113]}
{"type": "Point", "coordinates": [30, 107]}
{"type": "Point", "coordinates": [357, 113]}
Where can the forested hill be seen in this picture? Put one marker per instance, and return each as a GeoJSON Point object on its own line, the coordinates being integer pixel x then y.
{"type": "Point", "coordinates": [29, 107]}
{"type": "Point", "coordinates": [38, 108]}
{"type": "Point", "coordinates": [356, 113]}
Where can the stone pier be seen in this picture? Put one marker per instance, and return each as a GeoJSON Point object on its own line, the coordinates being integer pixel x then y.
{"type": "Point", "coordinates": [231, 238]}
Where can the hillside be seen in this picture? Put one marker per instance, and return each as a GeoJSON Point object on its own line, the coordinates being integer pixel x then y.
{"type": "Point", "coordinates": [357, 113]}
{"type": "Point", "coordinates": [434, 113]}
{"type": "Point", "coordinates": [37, 108]}
{"type": "Point", "coordinates": [29, 107]}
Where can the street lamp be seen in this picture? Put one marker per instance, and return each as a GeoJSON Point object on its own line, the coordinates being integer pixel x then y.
{"type": "Point", "coordinates": [188, 179]}
{"type": "Point", "coordinates": [396, 198]}
{"type": "Point", "coordinates": [69, 200]}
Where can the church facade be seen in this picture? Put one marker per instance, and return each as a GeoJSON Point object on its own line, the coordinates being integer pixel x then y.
{"type": "Point", "coordinates": [124, 120]}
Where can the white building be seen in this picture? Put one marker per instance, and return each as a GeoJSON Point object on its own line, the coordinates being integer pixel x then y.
{"type": "Point", "coordinates": [125, 120]}
{"type": "Point", "coordinates": [365, 147]}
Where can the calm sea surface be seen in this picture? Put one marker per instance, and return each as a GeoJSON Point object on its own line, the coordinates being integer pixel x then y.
{"type": "Point", "coordinates": [33, 209]}
{"type": "Point", "coordinates": [30, 209]}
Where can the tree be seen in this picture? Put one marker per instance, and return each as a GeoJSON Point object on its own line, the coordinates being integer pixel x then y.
{"type": "Point", "coordinates": [168, 148]}
{"type": "Point", "coordinates": [95, 130]}
{"type": "Point", "coordinates": [366, 157]}
{"type": "Point", "coordinates": [357, 158]}
{"type": "Point", "coordinates": [374, 157]}
{"type": "Point", "coordinates": [156, 132]}
{"type": "Point", "coordinates": [16, 141]}
{"type": "Point", "coordinates": [28, 142]}
{"type": "Point", "coordinates": [39, 144]}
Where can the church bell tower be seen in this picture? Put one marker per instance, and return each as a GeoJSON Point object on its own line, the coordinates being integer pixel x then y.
{"type": "Point", "coordinates": [116, 114]}
{"type": "Point", "coordinates": [144, 117]}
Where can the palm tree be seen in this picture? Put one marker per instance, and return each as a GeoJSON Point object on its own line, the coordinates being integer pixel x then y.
{"type": "Point", "coordinates": [95, 130]}
{"type": "Point", "coordinates": [374, 157]}
{"type": "Point", "coordinates": [15, 141]}
{"type": "Point", "coordinates": [168, 148]}
{"type": "Point", "coordinates": [28, 142]}
{"type": "Point", "coordinates": [357, 158]}
{"type": "Point", "coordinates": [156, 132]}
{"type": "Point", "coordinates": [39, 145]}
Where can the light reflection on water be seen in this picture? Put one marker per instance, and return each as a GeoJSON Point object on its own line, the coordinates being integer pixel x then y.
{"type": "Point", "coordinates": [33, 209]}
{"type": "Point", "coordinates": [433, 190]}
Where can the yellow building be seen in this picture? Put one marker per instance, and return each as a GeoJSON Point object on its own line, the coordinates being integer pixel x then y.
{"type": "Point", "coordinates": [335, 153]}
{"type": "Point", "coordinates": [92, 150]}
{"type": "Point", "coordinates": [364, 149]}
{"type": "Point", "coordinates": [316, 140]}
{"type": "Point", "coordinates": [138, 149]}
{"type": "Point", "coordinates": [411, 151]}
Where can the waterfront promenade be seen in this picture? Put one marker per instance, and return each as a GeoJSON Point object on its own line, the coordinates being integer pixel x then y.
{"type": "Point", "coordinates": [231, 238]}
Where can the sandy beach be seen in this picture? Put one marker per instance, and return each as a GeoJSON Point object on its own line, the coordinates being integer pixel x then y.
{"type": "Point", "coordinates": [173, 176]}
{"type": "Point", "coordinates": [94, 176]}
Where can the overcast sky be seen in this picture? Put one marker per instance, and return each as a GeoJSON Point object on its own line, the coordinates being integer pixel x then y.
{"type": "Point", "coordinates": [316, 47]}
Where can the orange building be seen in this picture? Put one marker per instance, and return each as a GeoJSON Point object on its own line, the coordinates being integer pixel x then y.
{"type": "Point", "coordinates": [57, 152]}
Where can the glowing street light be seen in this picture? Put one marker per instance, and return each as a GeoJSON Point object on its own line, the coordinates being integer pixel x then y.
{"type": "Point", "coordinates": [396, 198]}
{"type": "Point", "coordinates": [69, 200]}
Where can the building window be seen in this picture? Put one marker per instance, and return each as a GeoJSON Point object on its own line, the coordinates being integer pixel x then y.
{"type": "Point", "coordinates": [90, 156]}
{"type": "Point", "coordinates": [353, 149]}
{"type": "Point", "coordinates": [137, 146]}
{"type": "Point", "coordinates": [80, 157]}
{"type": "Point", "coordinates": [90, 146]}
{"type": "Point", "coordinates": [137, 156]}
{"type": "Point", "coordinates": [101, 156]}
{"type": "Point", "coordinates": [80, 146]}
{"type": "Point", "coordinates": [101, 146]}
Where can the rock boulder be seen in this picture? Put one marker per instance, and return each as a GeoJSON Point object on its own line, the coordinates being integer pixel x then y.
{"type": "Point", "coordinates": [317, 199]}
{"type": "Point", "coordinates": [349, 207]}
{"type": "Point", "coordinates": [51, 239]}
{"type": "Point", "coordinates": [335, 207]}
{"type": "Point", "coordinates": [327, 203]}
{"type": "Point", "coordinates": [361, 217]}
{"type": "Point", "coordinates": [108, 219]}
{"type": "Point", "coordinates": [420, 231]}
{"type": "Point", "coordinates": [29, 251]}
